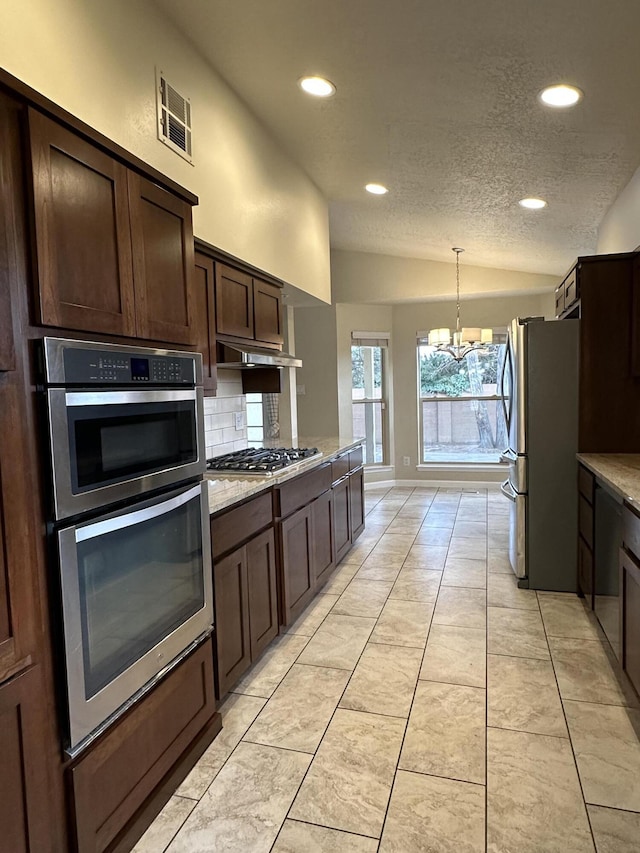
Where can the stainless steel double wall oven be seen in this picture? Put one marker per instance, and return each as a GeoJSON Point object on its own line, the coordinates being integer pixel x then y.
{"type": "Point", "coordinates": [130, 520]}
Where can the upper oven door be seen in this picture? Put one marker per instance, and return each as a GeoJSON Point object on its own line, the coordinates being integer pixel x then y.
{"type": "Point", "coordinates": [107, 446]}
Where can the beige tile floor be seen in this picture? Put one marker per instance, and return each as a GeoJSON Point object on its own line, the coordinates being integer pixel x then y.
{"type": "Point", "coordinates": [421, 703]}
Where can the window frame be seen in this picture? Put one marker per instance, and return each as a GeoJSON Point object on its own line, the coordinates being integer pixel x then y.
{"type": "Point", "coordinates": [423, 460]}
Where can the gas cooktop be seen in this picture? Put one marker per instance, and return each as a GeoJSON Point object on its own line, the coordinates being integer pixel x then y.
{"type": "Point", "coordinates": [263, 461]}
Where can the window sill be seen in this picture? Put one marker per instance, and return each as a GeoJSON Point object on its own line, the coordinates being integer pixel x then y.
{"type": "Point", "coordinates": [460, 466]}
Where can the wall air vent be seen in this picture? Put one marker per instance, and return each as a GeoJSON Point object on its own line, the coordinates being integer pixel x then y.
{"type": "Point", "coordinates": [174, 118]}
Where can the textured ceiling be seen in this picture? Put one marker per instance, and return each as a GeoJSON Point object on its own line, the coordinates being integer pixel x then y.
{"type": "Point", "coordinates": [437, 99]}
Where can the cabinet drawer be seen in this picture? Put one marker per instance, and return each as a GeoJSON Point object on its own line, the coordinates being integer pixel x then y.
{"type": "Point", "coordinates": [113, 779]}
{"type": "Point", "coordinates": [585, 520]}
{"type": "Point", "coordinates": [571, 289]}
{"type": "Point", "coordinates": [355, 458]}
{"type": "Point", "coordinates": [300, 491]}
{"type": "Point", "coordinates": [559, 295]}
{"type": "Point", "coordinates": [340, 467]}
{"type": "Point", "coordinates": [232, 527]}
{"type": "Point", "coordinates": [586, 483]}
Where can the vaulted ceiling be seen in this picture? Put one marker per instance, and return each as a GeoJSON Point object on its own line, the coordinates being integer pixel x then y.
{"type": "Point", "coordinates": [437, 99]}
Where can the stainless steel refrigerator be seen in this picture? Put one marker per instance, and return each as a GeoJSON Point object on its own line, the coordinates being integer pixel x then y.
{"type": "Point", "coordinates": [539, 389]}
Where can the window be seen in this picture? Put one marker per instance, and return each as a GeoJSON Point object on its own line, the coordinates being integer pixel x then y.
{"type": "Point", "coordinates": [255, 420]}
{"type": "Point", "coordinates": [262, 418]}
{"type": "Point", "coordinates": [461, 414]}
{"type": "Point", "coordinates": [368, 393]}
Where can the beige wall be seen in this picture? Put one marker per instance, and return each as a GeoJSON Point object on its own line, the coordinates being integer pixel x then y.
{"type": "Point", "coordinates": [409, 319]}
{"type": "Point", "coordinates": [620, 228]}
{"type": "Point", "coordinates": [316, 345]}
{"type": "Point", "coordinates": [97, 58]}
{"type": "Point", "coordinates": [323, 342]}
{"type": "Point", "coordinates": [370, 278]}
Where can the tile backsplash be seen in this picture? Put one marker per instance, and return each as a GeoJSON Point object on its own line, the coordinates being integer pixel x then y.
{"type": "Point", "coordinates": [221, 435]}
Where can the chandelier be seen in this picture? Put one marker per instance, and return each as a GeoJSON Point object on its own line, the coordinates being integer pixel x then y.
{"type": "Point", "coordinates": [464, 340]}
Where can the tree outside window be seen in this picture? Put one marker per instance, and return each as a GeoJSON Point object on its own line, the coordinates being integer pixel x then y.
{"type": "Point", "coordinates": [460, 408]}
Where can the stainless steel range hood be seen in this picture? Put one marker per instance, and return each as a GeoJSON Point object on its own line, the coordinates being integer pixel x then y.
{"type": "Point", "coordinates": [247, 355]}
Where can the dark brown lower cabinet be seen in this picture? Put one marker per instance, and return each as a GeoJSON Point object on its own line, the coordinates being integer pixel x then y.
{"type": "Point", "coordinates": [118, 785]}
{"type": "Point", "coordinates": [245, 606]}
{"type": "Point", "coordinates": [231, 619]}
{"type": "Point", "coordinates": [322, 540]}
{"type": "Point", "coordinates": [630, 591]}
{"type": "Point", "coordinates": [296, 540]}
{"type": "Point", "coordinates": [356, 502]}
{"type": "Point", "coordinates": [585, 570]}
{"type": "Point", "coordinates": [24, 790]}
{"type": "Point", "coordinates": [263, 595]}
{"type": "Point", "coordinates": [341, 519]}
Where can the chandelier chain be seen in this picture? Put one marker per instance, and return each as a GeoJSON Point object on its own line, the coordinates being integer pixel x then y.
{"type": "Point", "coordinates": [458, 252]}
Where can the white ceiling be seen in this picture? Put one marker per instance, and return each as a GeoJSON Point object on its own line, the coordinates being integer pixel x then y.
{"type": "Point", "coordinates": [437, 99]}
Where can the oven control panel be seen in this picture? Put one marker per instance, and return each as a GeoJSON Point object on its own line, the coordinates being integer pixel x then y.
{"type": "Point", "coordinates": [83, 366]}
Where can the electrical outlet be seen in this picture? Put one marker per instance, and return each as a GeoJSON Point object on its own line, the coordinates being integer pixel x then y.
{"type": "Point", "coordinates": [239, 420]}
{"type": "Point", "coordinates": [406, 461]}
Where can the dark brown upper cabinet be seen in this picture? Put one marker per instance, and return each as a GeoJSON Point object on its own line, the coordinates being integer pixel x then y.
{"type": "Point", "coordinates": [234, 302]}
{"type": "Point", "coordinates": [162, 240]}
{"type": "Point", "coordinates": [267, 310]}
{"type": "Point", "coordinates": [248, 307]}
{"type": "Point", "coordinates": [114, 251]}
{"type": "Point", "coordinates": [205, 317]}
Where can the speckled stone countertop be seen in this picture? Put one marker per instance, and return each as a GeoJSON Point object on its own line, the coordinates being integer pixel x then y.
{"type": "Point", "coordinates": [232, 488]}
{"type": "Point", "coordinates": [619, 471]}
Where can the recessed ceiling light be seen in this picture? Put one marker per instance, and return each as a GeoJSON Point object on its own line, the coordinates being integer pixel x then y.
{"type": "Point", "coordinates": [561, 95]}
{"type": "Point", "coordinates": [318, 86]}
{"type": "Point", "coordinates": [376, 189]}
{"type": "Point", "coordinates": [532, 203]}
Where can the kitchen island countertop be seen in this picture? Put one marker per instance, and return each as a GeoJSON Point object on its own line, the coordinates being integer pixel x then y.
{"type": "Point", "coordinates": [619, 471]}
{"type": "Point", "coordinates": [224, 491]}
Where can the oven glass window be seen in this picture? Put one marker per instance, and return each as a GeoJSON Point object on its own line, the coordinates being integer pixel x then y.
{"type": "Point", "coordinates": [137, 584]}
{"type": "Point", "coordinates": [114, 443]}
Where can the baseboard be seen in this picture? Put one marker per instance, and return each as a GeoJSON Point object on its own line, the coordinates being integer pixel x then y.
{"type": "Point", "coordinates": [469, 485]}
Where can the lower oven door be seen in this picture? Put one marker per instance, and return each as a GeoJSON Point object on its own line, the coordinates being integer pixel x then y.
{"type": "Point", "coordinates": [136, 594]}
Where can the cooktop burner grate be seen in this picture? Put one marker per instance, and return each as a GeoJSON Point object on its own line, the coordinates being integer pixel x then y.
{"type": "Point", "coordinates": [262, 461]}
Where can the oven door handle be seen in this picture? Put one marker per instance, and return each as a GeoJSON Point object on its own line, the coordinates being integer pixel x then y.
{"type": "Point", "coordinates": [100, 528]}
{"type": "Point", "coordinates": [122, 398]}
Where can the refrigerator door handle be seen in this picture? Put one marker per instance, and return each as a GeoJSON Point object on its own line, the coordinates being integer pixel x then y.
{"type": "Point", "coordinates": [507, 490]}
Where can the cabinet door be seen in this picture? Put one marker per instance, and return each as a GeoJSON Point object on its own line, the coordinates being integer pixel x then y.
{"type": "Point", "coordinates": [635, 318]}
{"type": "Point", "coordinates": [297, 571]}
{"type": "Point", "coordinates": [356, 502]}
{"type": "Point", "coordinates": [341, 519]}
{"type": "Point", "coordinates": [163, 263]}
{"type": "Point", "coordinates": [82, 233]}
{"type": "Point", "coordinates": [205, 318]}
{"type": "Point", "coordinates": [9, 151]}
{"type": "Point", "coordinates": [18, 596]}
{"type": "Point", "coordinates": [263, 598]}
{"type": "Point", "coordinates": [231, 619]}
{"type": "Point", "coordinates": [234, 302]}
{"type": "Point", "coordinates": [267, 310]}
{"type": "Point", "coordinates": [25, 821]}
{"type": "Point", "coordinates": [322, 519]}
{"type": "Point", "coordinates": [630, 588]}
{"type": "Point", "coordinates": [585, 571]}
